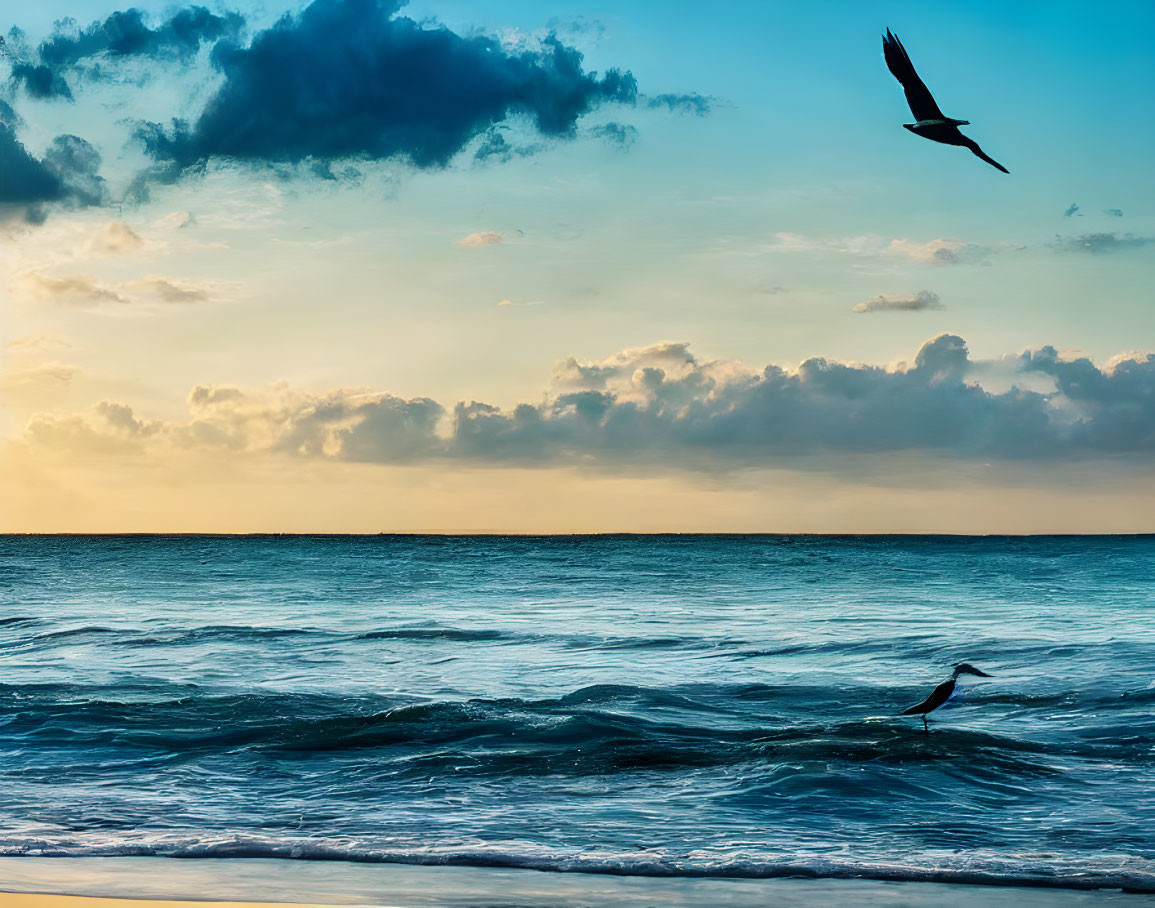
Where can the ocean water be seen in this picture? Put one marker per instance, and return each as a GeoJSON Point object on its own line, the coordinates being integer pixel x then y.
{"type": "Point", "coordinates": [660, 705]}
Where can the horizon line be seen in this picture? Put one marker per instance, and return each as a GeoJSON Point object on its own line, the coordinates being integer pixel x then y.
{"type": "Point", "coordinates": [560, 535]}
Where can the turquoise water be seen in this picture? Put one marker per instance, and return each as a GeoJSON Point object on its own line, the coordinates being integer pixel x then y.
{"type": "Point", "coordinates": [683, 706]}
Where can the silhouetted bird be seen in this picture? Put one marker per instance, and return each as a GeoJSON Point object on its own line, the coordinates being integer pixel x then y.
{"type": "Point", "coordinates": [931, 122]}
{"type": "Point", "coordinates": [942, 693]}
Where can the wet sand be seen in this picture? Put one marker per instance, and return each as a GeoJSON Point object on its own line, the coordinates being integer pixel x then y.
{"type": "Point", "coordinates": [30, 882]}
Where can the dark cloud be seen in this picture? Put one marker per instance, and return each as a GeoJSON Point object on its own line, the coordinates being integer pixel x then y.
{"type": "Point", "coordinates": [1099, 243]}
{"type": "Point", "coordinates": [924, 299]}
{"type": "Point", "coordinates": [661, 407]}
{"type": "Point", "coordinates": [24, 180]}
{"type": "Point", "coordinates": [620, 134]}
{"type": "Point", "coordinates": [578, 27]}
{"type": "Point", "coordinates": [1114, 212]}
{"type": "Point", "coordinates": [1111, 411]}
{"type": "Point", "coordinates": [350, 78]}
{"type": "Point", "coordinates": [40, 81]}
{"type": "Point", "coordinates": [41, 74]}
{"type": "Point", "coordinates": [67, 174]}
{"type": "Point", "coordinates": [1072, 210]}
{"type": "Point", "coordinates": [701, 415]}
{"type": "Point", "coordinates": [692, 103]}
{"type": "Point", "coordinates": [496, 148]}
{"type": "Point", "coordinates": [125, 34]}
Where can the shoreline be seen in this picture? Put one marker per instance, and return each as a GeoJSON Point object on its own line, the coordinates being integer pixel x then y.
{"type": "Point", "coordinates": [152, 882]}
{"type": "Point", "coordinates": [51, 900]}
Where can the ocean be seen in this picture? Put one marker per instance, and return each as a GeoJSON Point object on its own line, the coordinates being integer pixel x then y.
{"type": "Point", "coordinates": [677, 706]}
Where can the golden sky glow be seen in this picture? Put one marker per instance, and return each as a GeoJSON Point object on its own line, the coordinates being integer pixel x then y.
{"type": "Point", "coordinates": [681, 304]}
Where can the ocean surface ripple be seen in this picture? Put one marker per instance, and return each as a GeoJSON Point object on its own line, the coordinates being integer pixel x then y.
{"type": "Point", "coordinates": [666, 705]}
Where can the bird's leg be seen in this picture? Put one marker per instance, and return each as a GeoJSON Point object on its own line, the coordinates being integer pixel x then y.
{"type": "Point", "coordinates": [925, 726]}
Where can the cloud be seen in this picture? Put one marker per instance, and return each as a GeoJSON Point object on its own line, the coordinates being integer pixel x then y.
{"type": "Point", "coordinates": [578, 27]}
{"type": "Point", "coordinates": [495, 147]}
{"type": "Point", "coordinates": [174, 220]}
{"type": "Point", "coordinates": [349, 425]}
{"type": "Point", "coordinates": [84, 291]}
{"type": "Point", "coordinates": [42, 74]}
{"type": "Point", "coordinates": [1114, 212]}
{"type": "Point", "coordinates": [621, 134]}
{"type": "Point", "coordinates": [40, 81]}
{"type": "Point", "coordinates": [109, 428]}
{"type": "Point", "coordinates": [126, 34]}
{"type": "Point", "coordinates": [1072, 210]}
{"type": "Point", "coordinates": [942, 251]}
{"type": "Point", "coordinates": [691, 103]}
{"type": "Point", "coordinates": [163, 290]}
{"type": "Point", "coordinates": [30, 343]}
{"type": "Point", "coordinates": [924, 299]}
{"type": "Point", "coordinates": [76, 290]}
{"type": "Point", "coordinates": [49, 373]}
{"type": "Point", "coordinates": [939, 251]}
{"type": "Point", "coordinates": [351, 78]}
{"type": "Point", "coordinates": [67, 175]}
{"type": "Point", "coordinates": [114, 238]}
{"type": "Point", "coordinates": [480, 239]}
{"type": "Point", "coordinates": [660, 407]}
{"type": "Point", "coordinates": [1099, 243]}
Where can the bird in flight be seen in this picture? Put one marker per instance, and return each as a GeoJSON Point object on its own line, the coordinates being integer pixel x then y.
{"type": "Point", "coordinates": [942, 693]}
{"type": "Point", "coordinates": [931, 122]}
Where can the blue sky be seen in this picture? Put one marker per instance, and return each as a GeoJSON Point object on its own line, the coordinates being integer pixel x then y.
{"type": "Point", "coordinates": [750, 233]}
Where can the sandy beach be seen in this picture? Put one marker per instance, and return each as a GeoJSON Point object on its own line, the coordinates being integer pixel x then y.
{"type": "Point", "coordinates": [138, 882]}
{"type": "Point", "coordinates": [38, 900]}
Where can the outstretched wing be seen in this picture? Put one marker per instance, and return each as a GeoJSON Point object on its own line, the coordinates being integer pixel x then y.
{"type": "Point", "coordinates": [940, 695]}
{"type": "Point", "coordinates": [974, 146]}
{"type": "Point", "coordinates": [918, 96]}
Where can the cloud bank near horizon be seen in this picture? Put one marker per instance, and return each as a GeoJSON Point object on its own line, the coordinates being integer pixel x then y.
{"type": "Point", "coordinates": [660, 407]}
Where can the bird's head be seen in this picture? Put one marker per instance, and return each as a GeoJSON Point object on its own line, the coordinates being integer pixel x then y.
{"type": "Point", "coordinates": [966, 668]}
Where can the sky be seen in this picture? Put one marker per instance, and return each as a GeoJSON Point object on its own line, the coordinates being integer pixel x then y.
{"type": "Point", "coordinates": [513, 266]}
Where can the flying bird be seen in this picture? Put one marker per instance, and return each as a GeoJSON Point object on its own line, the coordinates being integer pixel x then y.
{"type": "Point", "coordinates": [931, 122]}
{"type": "Point", "coordinates": [942, 693]}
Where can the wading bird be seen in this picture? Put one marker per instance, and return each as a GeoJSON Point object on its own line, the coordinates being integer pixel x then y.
{"type": "Point", "coordinates": [931, 122]}
{"type": "Point", "coordinates": [942, 693]}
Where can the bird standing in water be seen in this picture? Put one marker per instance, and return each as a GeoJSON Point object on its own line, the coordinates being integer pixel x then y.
{"type": "Point", "coordinates": [942, 693]}
{"type": "Point", "coordinates": [932, 124]}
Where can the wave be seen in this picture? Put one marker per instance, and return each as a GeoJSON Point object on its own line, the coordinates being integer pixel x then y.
{"type": "Point", "coordinates": [596, 729]}
{"type": "Point", "coordinates": [128, 636]}
{"type": "Point", "coordinates": [432, 634]}
{"type": "Point", "coordinates": [77, 632]}
{"type": "Point", "coordinates": [1050, 870]}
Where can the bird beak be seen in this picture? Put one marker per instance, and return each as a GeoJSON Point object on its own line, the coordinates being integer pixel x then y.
{"type": "Point", "coordinates": [981, 674]}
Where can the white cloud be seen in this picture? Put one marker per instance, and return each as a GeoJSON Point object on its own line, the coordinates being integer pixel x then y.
{"type": "Point", "coordinates": [32, 343]}
{"type": "Point", "coordinates": [940, 251]}
{"type": "Point", "coordinates": [481, 239]}
{"type": "Point", "coordinates": [114, 238]}
{"type": "Point", "coordinates": [924, 299]}
{"type": "Point", "coordinates": [147, 294]}
{"type": "Point", "coordinates": [75, 290]}
{"type": "Point", "coordinates": [174, 220]}
{"type": "Point", "coordinates": [47, 373]}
